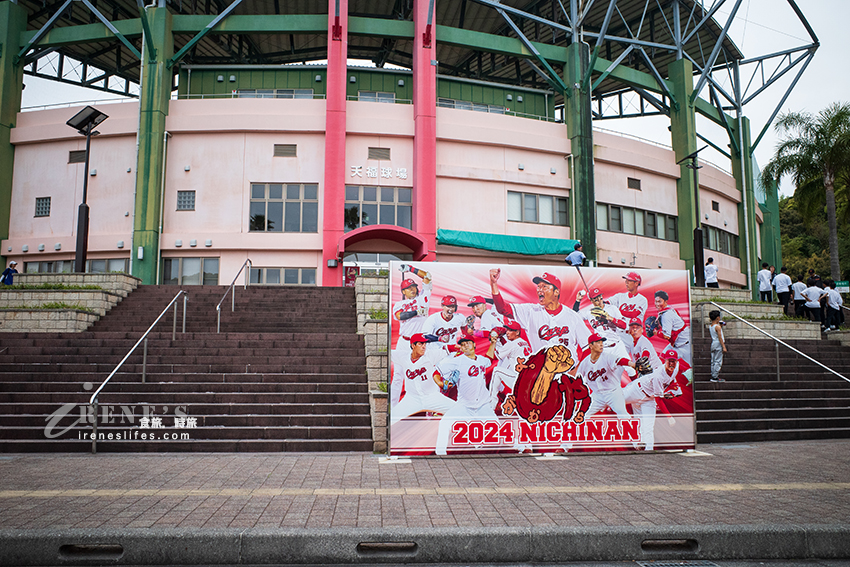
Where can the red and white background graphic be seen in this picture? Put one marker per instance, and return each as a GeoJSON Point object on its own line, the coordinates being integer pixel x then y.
{"type": "Point", "coordinates": [534, 381]}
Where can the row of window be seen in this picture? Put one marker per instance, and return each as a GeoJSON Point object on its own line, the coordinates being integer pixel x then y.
{"type": "Point", "coordinates": [121, 265]}
{"type": "Point", "coordinates": [720, 240]}
{"type": "Point", "coordinates": [285, 276]}
{"type": "Point", "coordinates": [474, 106]}
{"type": "Point", "coordinates": [540, 209]}
{"type": "Point", "coordinates": [366, 205]}
{"type": "Point", "coordinates": [614, 218]}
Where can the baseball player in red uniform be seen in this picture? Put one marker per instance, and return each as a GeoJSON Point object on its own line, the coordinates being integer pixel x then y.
{"type": "Point", "coordinates": [490, 318]}
{"type": "Point", "coordinates": [467, 371]}
{"type": "Point", "coordinates": [601, 371]}
{"type": "Point", "coordinates": [445, 325]}
{"type": "Point", "coordinates": [412, 310]}
{"type": "Point", "coordinates": [413, 374]}
{"type": "Point", "coordinates": [639, 346]}
{"type": "Point", "coordinates": [671, 327]}
{"type": "Point", "coordinates": [547, 322]}
{"type": "Point", "coordinates": [643, 392]}
{"type": "Point", "coordinates": [606, 321]}
{"type": "Point", "coordinates": [630, 303]}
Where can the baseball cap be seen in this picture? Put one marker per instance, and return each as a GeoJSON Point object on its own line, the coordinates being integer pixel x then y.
{"type": "Point", "coordinates": [449, 301]}
{"type": "Point", "coordinates": [635, 321]}
{"type": "Point", "coordinates": [475, 300]}
{"type": "Point", "coordinates": [595, 292]}
{"type": "Point", "coordinates": [662, 294]}
{"type": "Point", "coordinates": [669, 354]}
{"type": "Point", "coordinates": [512, 325]}
{"type": "Point", "coordinates": [577, 246]}
{"type": "Point", "coordinates": [418, 338]}
{"type": "Point", "coordinates": [549, 279]}
{"type": "Point", "coordinates": [13, 263]}
{"type": "Point", "coordinates": [594, 338]}
{"type": "Point", "coordinates": [634, 276]}
{"type": "Point", "coordinates": [407, 283]}
{"type": "Point", "coordinates": [465, 338]}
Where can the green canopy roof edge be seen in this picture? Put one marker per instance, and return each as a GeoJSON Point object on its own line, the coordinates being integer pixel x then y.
{"type": "Point", "coordinates": [527, 245]}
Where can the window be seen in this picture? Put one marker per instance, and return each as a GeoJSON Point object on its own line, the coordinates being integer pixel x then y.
{"type": "Point", "coordinates": [185, 200]}
{"type": "Point", "coordinates": [615, 218]}
{"type": "Point", "coordinates": [633, 183]}
{"type": "Point", "coordinates": [190, 271]}
{"type": "Point", "coordinates": [715, 206]}
{"type": "Point", "coordinates": [110, 265]}
{"type": "Point", "coordinates": [379, 153]}
{"type": "Point", "coordinates": [276, 207]}
{"type": "Point", "coordinates": [540, 209]}
{"type": "Point", "coordinates": [375, 96]}
{"type": "Point", "coordinates": [475, 106]}
{"type": "Point", "coordinates": [275, 93]}
{"type": "Point", "coordinates": [77, 156]}
{"type": "Point", "coordinates": [55, 267]}
{"type": "Point", "coordinates": [365, 205]}
{"type": "Point", "coordinates": [285, 276]}
{"type": "Point", "coordinates": [42, 206]}
{"type": "Point", "coordinates": [721, 241]}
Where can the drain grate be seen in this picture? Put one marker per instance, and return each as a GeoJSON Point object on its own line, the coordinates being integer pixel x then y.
{"type": "Point", "coordinates": [683, 563]}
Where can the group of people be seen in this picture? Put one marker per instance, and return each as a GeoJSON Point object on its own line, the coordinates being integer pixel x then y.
{"type": "Point", "coordinates": [599, 352]}
{"type": "Point", "coordinates": [809, 297]}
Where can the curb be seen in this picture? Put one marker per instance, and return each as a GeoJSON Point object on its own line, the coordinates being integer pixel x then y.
{"type": "Point", "coordinates": [260, 546]}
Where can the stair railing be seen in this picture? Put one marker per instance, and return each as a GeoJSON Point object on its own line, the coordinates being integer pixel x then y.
{"type": "Point", "coordinates": [230, 288]}
{"type": "Point", "coordinates": [776, 341]}
{"type": "Point", "coordinates": [142, 339]}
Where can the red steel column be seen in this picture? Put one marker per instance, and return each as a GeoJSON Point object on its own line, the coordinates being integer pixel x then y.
{"type": "Point", "coordinates": [334, 189]}
{"type": "Point", "coordinates": [425, 124]}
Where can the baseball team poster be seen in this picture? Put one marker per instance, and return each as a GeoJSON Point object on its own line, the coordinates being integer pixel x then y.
{"type": "Point", "coordinates": [538, 359]}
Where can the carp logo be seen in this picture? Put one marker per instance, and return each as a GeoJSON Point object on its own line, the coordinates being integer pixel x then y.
{"type": "Point", "coordinates": [594, 374]}
{"type": "Point", "coordinates": [413, 374]}
{"type": "Point", "coordinates": [538, 396]}
{"type": "Point", "coordinates": [547, 333]}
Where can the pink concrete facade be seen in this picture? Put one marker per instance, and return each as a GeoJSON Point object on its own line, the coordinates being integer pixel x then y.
{"type": "Point", "coordinates": [219, 148]}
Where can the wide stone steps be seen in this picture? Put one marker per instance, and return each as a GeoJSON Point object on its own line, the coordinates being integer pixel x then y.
{"type": "Point", "coordinates": [287, 374]}
{"type": "Point", "coordinates": [807, 402]}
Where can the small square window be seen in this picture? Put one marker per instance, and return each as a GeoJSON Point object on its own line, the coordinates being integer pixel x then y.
{"type": "Point", "coordinates": [634, 183]}
{"type": "Point", "coordinates": [42, 206]}
{"type": "Point", "coordinates": [715, 206]}
{"type": "Point", "coordinates": [185, 200]}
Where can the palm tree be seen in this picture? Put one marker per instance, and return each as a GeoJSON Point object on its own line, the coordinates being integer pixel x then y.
{"type": "Point", "coordinates": [815, 148]}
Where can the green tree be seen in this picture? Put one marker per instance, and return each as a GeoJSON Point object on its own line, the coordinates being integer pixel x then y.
{"type": "Point", "coordinates": [815, 151]}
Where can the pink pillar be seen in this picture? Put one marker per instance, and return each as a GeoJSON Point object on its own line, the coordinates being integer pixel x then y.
{"type": "Point", "coordinates": [334, 189]}
{"type": "Point", "coordinates": [425, 126]}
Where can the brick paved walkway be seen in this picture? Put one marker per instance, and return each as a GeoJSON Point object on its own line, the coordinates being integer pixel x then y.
{"type": "Point", "coordinates": [785, 483]}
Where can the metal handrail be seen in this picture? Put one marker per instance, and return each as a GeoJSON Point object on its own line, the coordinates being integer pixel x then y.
{"type": "Point", "coordinates": [143, 338]}
{"type": "Point", "coordinates": [233, 296]}
{"type": "Point", "coordinates": [776, 341]}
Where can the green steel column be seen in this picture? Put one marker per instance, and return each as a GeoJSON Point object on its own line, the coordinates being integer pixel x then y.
{"type": "Point", "coordinates": [13, 21]}
{"type": "Point", "coordinates": [577, 117]}
{"type": "Point", "coordinates": [684, 137]}
{"type": "Point", "coordinates": [771, 242]}
{"type": "Point", "coordinates": [153, 109]}
{"type": "Point", "coordinates": [742, 169]}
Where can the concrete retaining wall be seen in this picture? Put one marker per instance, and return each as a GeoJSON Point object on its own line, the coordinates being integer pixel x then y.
{"type": "Point", "coordinates": [120, 284]}
{"type": "Point", "coordinates": [372, 301]}
{"type": "Point", "coordinates": [45, 320]}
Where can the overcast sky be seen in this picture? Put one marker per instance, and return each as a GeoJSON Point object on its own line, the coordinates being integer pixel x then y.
{"type": "Point", "coordinates": [761, 27]}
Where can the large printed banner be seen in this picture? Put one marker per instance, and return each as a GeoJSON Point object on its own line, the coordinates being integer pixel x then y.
{"type": "Point", "coordinates": [542, 359]}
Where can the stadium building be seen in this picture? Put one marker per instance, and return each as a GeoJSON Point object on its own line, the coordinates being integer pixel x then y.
{"type": "Point", "coordinates": [250, 131]}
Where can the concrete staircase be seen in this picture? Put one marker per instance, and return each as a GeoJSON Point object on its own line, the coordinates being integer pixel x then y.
{"type": "Point", "coordinates": [287, 373]}
{"type": "Point", "coordinates": [803, 402]}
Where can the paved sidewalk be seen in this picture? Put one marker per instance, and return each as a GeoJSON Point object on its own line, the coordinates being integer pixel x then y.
{"type": "Point", "coordinates": [736, 488]}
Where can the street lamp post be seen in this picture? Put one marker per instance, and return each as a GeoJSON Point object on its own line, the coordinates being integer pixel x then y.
{"type": "Point", "coordinates": [84, 122]}
{"type": "Point", "coordinates": [699, 256]}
